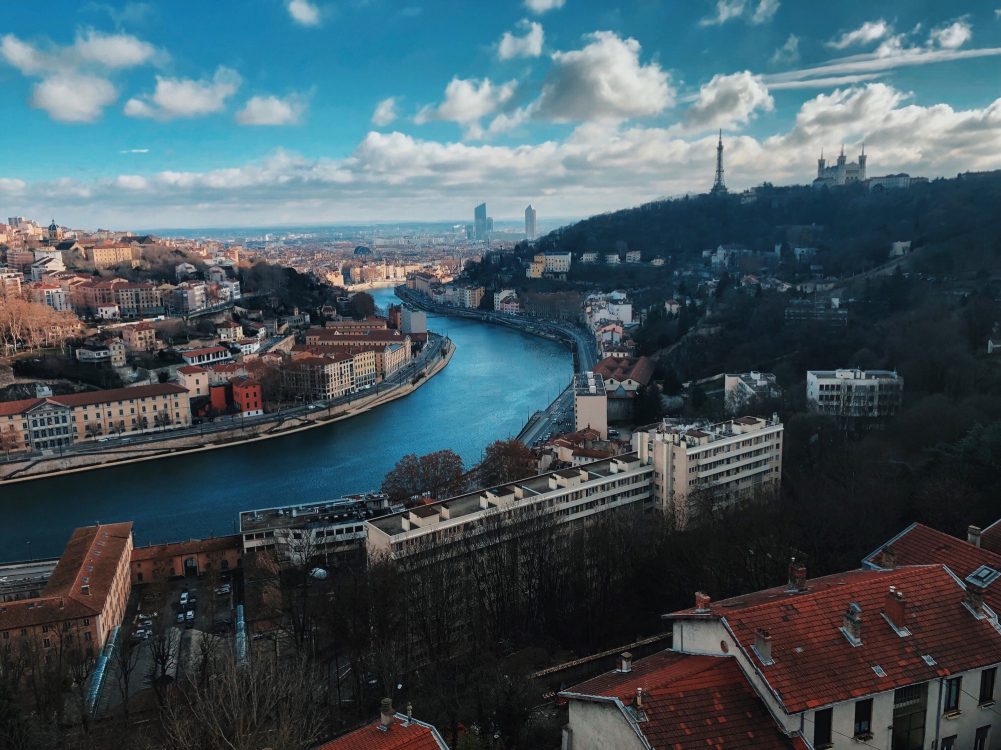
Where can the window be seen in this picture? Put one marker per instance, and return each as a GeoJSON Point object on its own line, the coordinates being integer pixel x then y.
{"type": "Point", "coordinates": [822, 728]}
{"type": "Point", "coordinates": [863, 718]}
{"type": "Point", "coordinates": [952, 688]}
{"type": "Point", "coordinates": [949, 743]}
{"type": "Point", "coordinates": [987, 678]}
{"type": "Point", "coordinates": [980, 742]}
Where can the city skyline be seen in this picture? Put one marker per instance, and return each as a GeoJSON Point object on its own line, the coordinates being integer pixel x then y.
{"type": "Point", "coordinates": [310, 112]}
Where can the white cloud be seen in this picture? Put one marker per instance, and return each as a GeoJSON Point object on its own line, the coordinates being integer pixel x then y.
{"type": "Point", "coordinates": [74, 85]}
{"type": "Point", "coordinates": [134, 151]}
{"type": "Point", "coordinates": [11, 185]}
{"type": "Point", "coordinates": [272, 110]}
{"type": "Point", "coordinates": [727, 101]}
{"type": "Point", "coordinates": [867, 33]}
{"type": "Point", "coordinates": [467, 101]}
{"type": "Point", "coordinates": [765, 11]}
{"type": "Point", "coordinates": [604, 81]}
{"type": "Point", "coordinates": [527, 45]}
{"type": "Point", "coordinates": [304, 12]}
{"type": "Point", "coordinates": [952, 36]}
{"type": "Point", "coordinates": [72, 97]}
{"type": "Point", "coordinates": [385, 112]}
{"type": "Point", "coordinates": [541, 6]}
{"type": "Point", "coordinates": [731, 10]}
{"type": "Point", "coordinates": [114, 50]}
{"type": "Point", "coordinates": [788, 52]}
{"type": "Point", "coordinates": [186, 97]}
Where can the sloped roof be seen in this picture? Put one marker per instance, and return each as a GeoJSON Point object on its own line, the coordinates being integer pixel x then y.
{"type": "Point", "coordinates": [815, 665]}
{"type": "Point", "coordinates": [692, 701]}
{"type": "Point", "coordinates": [400, 736]}
{"type": "Point", "coordinates": [639, 369]}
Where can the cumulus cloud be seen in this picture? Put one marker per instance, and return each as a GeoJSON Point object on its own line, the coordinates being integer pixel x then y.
{"type": "Point", "coordinates": [72, 97]}
{"type": "Point", "coordinates": [598, 167]}
{"type": "Point", "coordinates": [186, 97]}
{"type": "Point", "coordinates": [529, 44]}
{"type": "Point", "coordinates": [604, 80]}
{"type": "Point", "coordinates": [788, 52]}
{"type": "Point", "coordinates": [727, 101]}
{"type": "Point", "coordinates": [542, 6]}
{"type": "Point", "coordinates": [870, 31]}
{"type": "Point", "coordinates": [385, 112]}
{"type": "Point", "coordinates": [952, 36]}
{"type": "Point", "coordinates": [272, 110]}
{"type": "Point", "coordinates": [304, 12]}
{"type": "Point", "coordinates": [467, 101]}
{"type": "Point", "coordinates": [758, 12]}
{"type": "Point", "coordinates": [74, 85]}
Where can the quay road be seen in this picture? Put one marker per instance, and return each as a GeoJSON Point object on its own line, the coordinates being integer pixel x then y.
{"type": "Point", "coordinates": [418, 366]}
{"type": "Point", "coordinates": [558, 416]}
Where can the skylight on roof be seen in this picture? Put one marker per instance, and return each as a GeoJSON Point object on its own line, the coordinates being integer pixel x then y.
{"type": "Point", "coordinates": [880, 672]}
{"type": "Point", "coordinates": [983, 576]}
{"type": "Point", "coordinates": [929, 660]}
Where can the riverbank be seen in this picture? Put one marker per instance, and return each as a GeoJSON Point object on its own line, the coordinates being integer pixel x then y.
{"type": "Point", "coordinates": [47, 467]}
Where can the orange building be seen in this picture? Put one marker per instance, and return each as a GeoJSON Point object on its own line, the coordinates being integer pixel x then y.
{"type": "Point", "coordinates": [248, 396]}
{"type": "Point", "coordinates": [194, 557]}
{"type": "Point", "coordinates": [84, 598]}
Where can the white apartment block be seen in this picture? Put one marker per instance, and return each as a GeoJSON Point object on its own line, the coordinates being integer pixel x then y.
{"type": "Point", "coordinates": [557, 262]}
{"type": "Point", "coordinates": [590, 403]}
{"type": "Point", "coordinates": [718, 463]}
{"type": "Point", "coordinates": [567, 496]}
{"type": "Point", "coordinates": [745, 388]}
{"type": "Point", "coordinates": [853, 393]}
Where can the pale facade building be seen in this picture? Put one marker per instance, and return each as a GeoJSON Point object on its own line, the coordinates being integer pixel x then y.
{"type": "Point", "coordinates": [841, 172]}
{"type": "Point", "coordinates": [699, 468]}
{"type": "Point", "coordinates": [590, 404]}
{"type": "Point", "coordinates": [530, 222]}
{"type": "Point", "coordinates": [854, 393]}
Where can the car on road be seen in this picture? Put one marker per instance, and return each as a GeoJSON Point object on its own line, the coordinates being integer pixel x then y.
{"type": "Point", "coordinates": [142, 634]}
{"type": "Point", "coordinates": [223, 590]}
{"type": "Point", "coordinates": [180, 617]}
{"type": "Point", "coordinates": [184, 598]}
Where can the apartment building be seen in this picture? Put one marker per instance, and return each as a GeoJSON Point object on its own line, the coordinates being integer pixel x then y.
{"type": "Point", "coordinates": [140, 337]}
{"type": "Point", "coordinates": [111, 255]}
{"type": "Point", "coordinates": [84, 599]}
{"type": "Point", "coordinates": [138, 299]}
{"type": "Point", "coordinates": [563, 497]}
{"type": "Point", "coordinates": [590, 404]}
{"type": "Point", "coordinates": [10, 282]}
{"type": "Point", "coordinates": [740, 390]}
{"type": "Point", "coordinates": [901, 654]}
{"type": "Point", "coordinates": [319, 377]}
{"type": "Point", "coordinates": [704, 467]}
{"type": "Point", "coordinates": [51, 295]}
{"type": "Point", "coordinates": [855, 394]}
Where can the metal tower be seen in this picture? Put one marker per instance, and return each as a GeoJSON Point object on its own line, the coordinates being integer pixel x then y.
{"type": "Point", "coordinates": [718, 185]}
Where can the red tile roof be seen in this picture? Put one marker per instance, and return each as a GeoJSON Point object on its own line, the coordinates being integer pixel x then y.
{"type": "Point", "coordinates": [90, 558]}
{"type": "Point", "coordinates": [416, 736]}
{"type": "Point", "coordinates": [190, 547]}
{"type": "Point", "coordinates": [692, 701]}
{"type": "Point", "coordinates": [815, 665]}
{"type": "Point", "coordinates": [990, 538]}
{"type": "Point", "coordinates": [639, 369]}
{"type": "Point", "coordinates": [92, 397]}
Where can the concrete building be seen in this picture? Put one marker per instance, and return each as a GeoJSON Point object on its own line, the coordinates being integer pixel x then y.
{"type": "Point", "coordinates": [195, 557]}
{"type": "Point", "coordinates": [480, 222]}
{"type": "Point", "coordinates": [10, 282]}
{"type": "Point", "coordinates": [111, 255]}
{"type": "Point", "coordinates": [530, 223]}
{"type": "Point", "coordinates": [565, 497]}
{"type": "Point", "coordinates": [413, 320]}
{"type": "Point", "coordinates": [590, 404]}
{"type": "Point", "coordinates": [557, 263]}
{"type": "Point", "coordinates": [206, 355]}
{"type": "Point", "coordinates": [52, 295]}
{"type": "Point", "coordinates": [83, 601]}
{"type": "Point", "coordinates": [140, 337]}
{"type": "Point", "coordinates": [705, 467]}
{"type": "Point", "coordinates": [633, 256]}
{"type": "Point", "coordinates": [855, 394]}
{"type": "Point", "coordinates": [746, 388]}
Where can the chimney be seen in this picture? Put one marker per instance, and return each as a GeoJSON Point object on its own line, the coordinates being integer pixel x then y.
{"type": "Point", "coordinates": [973, 535]}
{"type": "Point", "coordinates": [797, 575]}
{"type": "Point", "coordinates": [851, 623]}
{"type": "Point", "coordinates": [895, 608]}
{"type": "Point", "coordinates": [626, 663]}
{"type": "Point", "coordinates": [763, 645]}
{"type": "Point", "coordinates": [639, 697]}
{"type": "Point", "coordinates": [975, 599]}
{"type": "Point", "coordinates": [888, 558]}
{"type": "Point", "coordinates": [410, 714]}
{"type": "Point", "coordinates": [386, 714]}
{"type": "Point", "coordinates": [702, 602]}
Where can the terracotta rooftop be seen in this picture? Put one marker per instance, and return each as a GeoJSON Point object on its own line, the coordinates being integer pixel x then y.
{"type": "Point", "coordinates": [190, 547]}
{"type": "Point", "coordinates": [813, 662]}
{"type": "Point", "coordinates": [639, 369]}
{"type": "Point", "coordinates": [416, 736]}
{"type": "Point", "coordinates": [92, 397]}
{"type": "Point", "coordinates": [81, 581]}
{"type": "Point", "coordinates": [691, 701]}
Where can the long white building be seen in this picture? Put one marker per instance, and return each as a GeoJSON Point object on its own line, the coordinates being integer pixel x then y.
{"type": "Point", "coordinates": [869, 394]}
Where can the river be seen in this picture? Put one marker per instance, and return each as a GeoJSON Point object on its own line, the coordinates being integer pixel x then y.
{"type": "Point", "coordinates": [495, 380]}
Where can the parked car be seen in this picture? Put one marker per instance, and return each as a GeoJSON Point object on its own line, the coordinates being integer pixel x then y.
{"type": "Point", "coordinates": [184, 598]}
{"type": "Point", "coordinates": [223, 590]}
{"type": "Point", "coordinates": [180, 617]}
{"type": "Point", "coordinates": [189, 616]}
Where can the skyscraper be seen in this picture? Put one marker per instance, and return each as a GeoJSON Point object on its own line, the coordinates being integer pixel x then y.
{"type": "Point", "coordinates": [480, 222]}
{"type": "Point", "coordinates": [530, 222]}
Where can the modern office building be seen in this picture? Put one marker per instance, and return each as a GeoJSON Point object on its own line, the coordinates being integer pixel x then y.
{"type": "Point", "coordinates": [530, 218]}
{"type": "Point", "coordinates": [480, 222]}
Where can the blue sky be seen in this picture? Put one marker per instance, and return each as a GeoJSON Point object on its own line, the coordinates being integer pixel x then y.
{"type": "Point", "coordinates": [256, 112]}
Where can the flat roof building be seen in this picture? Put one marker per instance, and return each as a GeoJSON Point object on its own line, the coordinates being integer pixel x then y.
{"type": "Point", "coordinates": [590, 404]}
{"type": "Point", "coordinates": [855, 394]}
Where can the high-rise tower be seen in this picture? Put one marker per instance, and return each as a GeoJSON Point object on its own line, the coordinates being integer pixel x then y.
{"type": "Point", "coordinates": [719, 186]}
{"type": "Point", "coordinates": [530, 216]}
{"type": "Point", "coordinates": [480, 222]}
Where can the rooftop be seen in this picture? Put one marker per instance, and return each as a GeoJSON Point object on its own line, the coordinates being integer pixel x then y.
{"type": "Point", "coordinates": [343, 510]}
{"type": "Point", "coordinates": [402, 734]}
